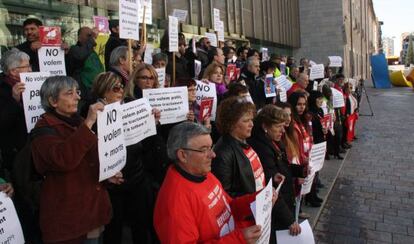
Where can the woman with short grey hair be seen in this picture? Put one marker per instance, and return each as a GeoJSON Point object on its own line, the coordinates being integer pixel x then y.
{"type": "Point", "coordinates": [119, 63]}
{"type": "Point", "coordinates": [65, 153]}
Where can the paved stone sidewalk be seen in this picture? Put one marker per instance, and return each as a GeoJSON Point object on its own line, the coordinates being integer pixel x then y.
{"type": "Point", "coordinates": [372, 200]}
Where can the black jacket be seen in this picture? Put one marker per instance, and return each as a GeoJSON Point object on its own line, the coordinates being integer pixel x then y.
{"type": "Point", "coordinates": [77, 56]}
{"type": "Point", "coordinates": [34, 59]}
{"type": "Point", "coordinates": [232, 167]}
{"type": "Point", "coordinates": [256, 88]}
{"type": "Point", "coordinates": [12, 124]}
{"type": "Point", "coordinates": [317, 131]}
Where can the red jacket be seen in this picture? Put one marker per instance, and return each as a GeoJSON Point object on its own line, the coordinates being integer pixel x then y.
{"type": "Point", "coordinates": [198, 212]}
{"type": "Point", "coordinates": [72, 201]}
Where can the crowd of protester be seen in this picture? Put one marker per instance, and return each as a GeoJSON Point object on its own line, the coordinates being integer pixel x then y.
{"type": "Point", "coordinates": [191, 182]}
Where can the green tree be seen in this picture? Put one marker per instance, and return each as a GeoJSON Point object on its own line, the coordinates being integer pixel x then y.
{"type": "Point", "coordinates": [409, 59]}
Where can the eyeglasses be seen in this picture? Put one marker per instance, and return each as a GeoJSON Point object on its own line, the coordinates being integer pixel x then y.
{"type": "Point", "coordinates": [205, 150]}
{"type": "Point", "coordinates": [24, 67]}
{"type": "Point", "coordinates": [117, 88]}
{"type": "Point", "coordinates": [146, 77]}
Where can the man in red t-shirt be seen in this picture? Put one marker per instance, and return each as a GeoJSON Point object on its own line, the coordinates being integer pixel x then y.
{"type": "Point", "coordinates": [301, 83]}
{"type": "Point", "coordinates": [192, 206]}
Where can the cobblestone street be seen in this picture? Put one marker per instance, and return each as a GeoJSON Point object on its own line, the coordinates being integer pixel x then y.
{"type": "Point", "coordinates": [372, 200]}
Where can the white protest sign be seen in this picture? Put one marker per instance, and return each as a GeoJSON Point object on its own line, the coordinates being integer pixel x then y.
{"type": "Point", "coordinates": [262, 209]}
{"type": "Point", "coordinates": [212, 37]}
{"type": "Point", "coordinates": [138, 121]}
{"type": "Point", "coordinates": [317, 72]}
{"type": "Point", "coordinates": [305, 236]}
{"type": "Point", "coordinates": [220, 31]}
{"type": "Point", "coordinates": [10, 228]}
{"type": "Point", "coordinates": [284, 82]}
{"type": "Point", "coordinates": [312, 63]}
{"type": "Point", "coordinates": [180, 14]}
{"type": "Point", "coordinates": [335, 61]}
{"type": "Point", "coordinates": [317, 156]}
{"type": "Point", "coordinates": [204, 90]}
{"type": "Point", "coordinates": [216, 17]}
{"type": "Point", "coordinates": [128, 19]}
{"type": "Point", "coordinates": [31, 97]}
{"type": "Point", "coordinates": [148, 12]}
{"type": "Point", "coordinates": [161, 76]}
{"type": "Point", "coordinates": [315, 85]}
{"type": "Point", "coordinates": [149, 51]}
{"type": "Point", "coordinates": [307, 185]}
{"type": "Point", "coordinates": [337, 98]}
{"type": "Point", "coordinates": [282, 94]}
{"type": "Point", "coordinates": [52, 60]}
{"type": "Point", "coordinates": [172, 103]}
{"type": "Point", "coordinates": [173, 34]}
{"type": "Point", "coordinates": [111, 141]}
{"type": "Point", "coordinates": [197, 68]}
{"type": "Point", "coordinates": [265, 54]}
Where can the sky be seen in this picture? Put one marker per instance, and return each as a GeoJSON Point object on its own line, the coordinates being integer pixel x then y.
{"type": "Point", "coordinates": [397, 16]}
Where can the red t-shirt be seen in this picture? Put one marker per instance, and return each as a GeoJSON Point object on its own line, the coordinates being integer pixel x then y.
{"type": "Point", "coordinates": [258, 173]}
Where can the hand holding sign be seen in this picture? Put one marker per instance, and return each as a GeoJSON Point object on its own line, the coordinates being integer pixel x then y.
{"type": "Point", "coordinates": [93, 114]}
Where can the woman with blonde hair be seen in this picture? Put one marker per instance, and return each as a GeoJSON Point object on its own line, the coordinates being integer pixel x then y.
{"type": "Point", "coordinates": [143, 77]}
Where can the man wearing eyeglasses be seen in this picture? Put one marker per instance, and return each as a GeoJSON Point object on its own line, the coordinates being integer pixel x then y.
{"type": "Point", "coordinates": [192, 206]}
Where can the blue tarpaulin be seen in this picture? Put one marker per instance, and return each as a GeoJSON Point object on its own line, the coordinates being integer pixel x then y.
{"type": "Point", "coordinates": [380, 74]}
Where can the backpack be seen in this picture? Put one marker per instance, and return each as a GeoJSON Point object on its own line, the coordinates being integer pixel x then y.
{"type": "Point", "coordinates": [27, 181]}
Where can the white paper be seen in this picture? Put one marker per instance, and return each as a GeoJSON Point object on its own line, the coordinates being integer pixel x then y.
{"type": "Point", "coordinates": [317, 156]}
{"type": "Point", "coordinates": [216, 18]}
{"type": "Point", "coordinates": [317, 72]}
{"type": "Point", "coordinates": [220, 31]}
{"type": "Point", "coordinates": [31, 97]}
{"type": "Point", "coordinates": [315, 85]}
{"type": "Point", "coordinates": [265, 54]}
{"type": "Point", "coordinates": [148, 12]}
{"type": "Point", "coordinates": [149, 51]}
{"type": "Point", "coordinates": [307, 185]}
{"type": "Point", "coordinates": [312, 63]}
{"type": "Point", "coordinates": [180, 14]}
{"type": "Point", "coordinates": [111, 141]}
{"type": "Point", "coordinates": [10, 229]}
{"type": "Point", "coordinates": [284, 82]}
{"type": "Point", "coordinates": [52, 60]}
{"type": "Point", "coordinates": [204, 90]}
{"type": "Point", "coordinates": [279, 186]}
{"type": "Point", "coordinates": [161, 76]}
{"type": "Point", "coordinates": [212, 37]}
{"type": "Point", "coordinates": [335, 61]}
{"type": "Point", "coordinates": [173, 34]}
{"type": "Point", "coordinates": [197, 68]}
{"type": "Point", "coordinates": [337, 98]}
{"type": "Point", "coordinates": [128, 19]}
{"type": "Point", "coordinates": [172, 103]}
{"type": "Point", "coordinates": [305, 237]}
{"type": "Point", "coordinates": [193, 45]}
{"type": "Point", "coordinates": [262, 209]}
{"type": "Point", "coordinates": [138, 121]}
{"type": "Point", "coordinates": [282, 94]}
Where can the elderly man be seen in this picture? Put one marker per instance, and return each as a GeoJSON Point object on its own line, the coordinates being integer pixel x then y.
{"type": "Point", "coordinates": [302, 83]}
{"type": "Point", "coordinates": [192, 206]}
{"type": "Point", "coordinates": [250, 78]}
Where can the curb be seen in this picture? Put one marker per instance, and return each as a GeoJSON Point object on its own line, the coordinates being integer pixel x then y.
{"type": "Point", "coordinates": [329, 191]}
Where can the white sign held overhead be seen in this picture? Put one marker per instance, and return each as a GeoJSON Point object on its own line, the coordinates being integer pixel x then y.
{"type": "Point", "coordinates": [197, 68]}
{"type": "Point", "coordinates": [161, 76]}
{"type": "Point", "coordinates": [10, 229]}
{"type": "Point", "coordinates": [138, 121]}
{"type": "Point", "coordinates": [335, 61]}
{"type": "Point", "coordinates": [262, 209]}
{"type": "Point", "coordinates": [52, 60]}
{"type": "Point", "coordinates": [282, 94]}
{"type": "Point", "coordinates": [111, 141]}
{"type": "Point", "coordinates": [212, 37]}
{"type": "Point", "coordinates": [148, 12]}
{"type": "Point", "coordinates": [317, 72]}
{"type": "Point", "coordinates": [149, 51]}
{"type": "Point", "coordinates": [173, 34]}
{"type": "Point", "coordinates": [128, 19]}
{"type": "Point", "coordinates": [31, 97]}
{"type": "Point", "coordinates": [180, 14]}
{"type": "Point", "coordinates": [204, 90]}
{"type": "Point", "coordinates": [216, 17]}
{"type": "Point", "coordinates": [220, 31]}
{"type": "Point", "coordinates": [337, 98]}
{"type": "Point", "coordinates": [172, 103]}
{"type": "Point", "coordinates": [284, 82]}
